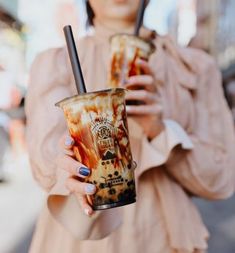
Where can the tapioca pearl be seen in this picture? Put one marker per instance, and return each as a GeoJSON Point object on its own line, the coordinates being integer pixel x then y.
{"type": "Point", "coordinates": [101, 185]}
{"type": "Point", "coordinates": [126, 192]}
{"type": "Point", "coordinates": [110, 175]}
{"type": "Point", "coordinates": [98, 199]}
{"type": "Point", "coordinates": [94, 182]}
{"type": "Point", "coordinates": [130, 183]}
{"type": "Point", "coordinates": [129, 166]}
{"type": "Point", "coordinates": [110, 201]}
{"type": "Point", "coordinates": [132, 188]}
{"type": "Point", "coordinates": [120, 196]}
{"type": "Point", "coordinates": [112, 191]}
{"type": "Point", "coordinates": [103, 163]}
{"type": "Point", "coordinates": [116, 173]}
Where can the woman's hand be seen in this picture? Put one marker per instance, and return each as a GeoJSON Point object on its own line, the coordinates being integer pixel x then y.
{"type": "Point", "coordinates": [148, 113]}
{"type": "Point", "coordinates": [77, 172]}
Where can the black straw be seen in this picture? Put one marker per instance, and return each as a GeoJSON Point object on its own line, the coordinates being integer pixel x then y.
{"type": "Point", "coordinates": [73, 55]}
{"type": "Point", "coordinates": [140, 16]}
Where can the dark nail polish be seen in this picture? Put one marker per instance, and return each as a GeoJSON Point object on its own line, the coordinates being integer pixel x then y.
{"type": "Point", "coordinates": [84, 171]}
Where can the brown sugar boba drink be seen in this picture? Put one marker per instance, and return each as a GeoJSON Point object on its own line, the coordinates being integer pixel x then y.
{"type": "Point", "coordinates": [126, 50]}
{"type": "Point", "coordinates": [97, 122]}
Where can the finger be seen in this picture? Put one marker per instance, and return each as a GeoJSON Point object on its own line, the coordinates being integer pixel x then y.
{"type": "Point", "coordinates": [141, 95]}
{"type": "Point", "coordinates": [144, 109]}
{"type": "Point", "coordinates": [82, 200]}
{"type": "Point", "coordinates": [141, 82]}
{"type": "Point", "coordinates": [145, 67]}
{"type": "Point", "coordinates": [75, 186]}
{"type": "Point", "coordinates": [69, 152]}
{"type": "Point", "coordinates": [66, 142]}
{"type": "Point", "coordinates": [72, 166]}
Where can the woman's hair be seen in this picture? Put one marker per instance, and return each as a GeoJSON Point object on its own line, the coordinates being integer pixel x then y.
{"type": "Point", "coordinates": [90, 14]}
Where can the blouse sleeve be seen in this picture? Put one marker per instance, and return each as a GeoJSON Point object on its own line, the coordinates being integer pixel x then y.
{"type": "Point", "coordinates": [49, 81]}
{"type": "Point", "coordinates": [45, 122]}
{"type": "Point", "coordinates": [201, 160]}
{"type": "Point", "coordinates": [208, 169]}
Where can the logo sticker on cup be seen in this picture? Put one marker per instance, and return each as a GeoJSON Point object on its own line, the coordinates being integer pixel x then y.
{"type": "Point", "coordinates": [103, 132]}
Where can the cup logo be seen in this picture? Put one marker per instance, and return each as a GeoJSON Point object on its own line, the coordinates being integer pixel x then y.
{"type": "Point", "coordinates": [103, 132]}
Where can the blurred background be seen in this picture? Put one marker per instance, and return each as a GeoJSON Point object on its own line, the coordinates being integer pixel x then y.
{"type": "Point", "coordinates": [28, 27]}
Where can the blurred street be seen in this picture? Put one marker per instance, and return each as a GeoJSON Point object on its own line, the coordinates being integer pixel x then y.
{"type": "Point", "coordinates": [219, 217]}
{"type": "Point", "coordinates": [21, 201]}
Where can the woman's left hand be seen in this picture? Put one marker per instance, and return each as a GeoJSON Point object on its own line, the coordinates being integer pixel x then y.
{"type": "Point", "coordinates": [142, 88]}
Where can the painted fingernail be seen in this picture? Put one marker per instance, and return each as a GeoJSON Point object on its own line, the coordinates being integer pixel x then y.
{"type": "Point", "coordinates": [84, 171]}
{"type": "Point", "coordinates": [87, 212]}
{"type": "Point", "coordinates": [69, 141]}
{"type": "Point", "coordinates": [89, 188]}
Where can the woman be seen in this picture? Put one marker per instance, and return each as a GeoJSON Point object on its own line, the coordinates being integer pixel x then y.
{"type": "Point", "coordinates": [182, 140]}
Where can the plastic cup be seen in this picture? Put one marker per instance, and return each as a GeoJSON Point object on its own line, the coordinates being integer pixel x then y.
{"type": "Point", "coordinates": [125, 51]}
{"type": "Point", "coordinates": [97, 122]}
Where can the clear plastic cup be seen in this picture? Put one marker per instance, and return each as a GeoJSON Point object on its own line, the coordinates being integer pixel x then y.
{"type": "Point", "coordinates": [97, 122]}
{"type": "Point", "coordinates": [125, 51]}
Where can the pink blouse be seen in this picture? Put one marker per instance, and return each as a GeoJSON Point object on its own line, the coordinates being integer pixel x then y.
{"type": "Point", "coordinates": [192, 156]}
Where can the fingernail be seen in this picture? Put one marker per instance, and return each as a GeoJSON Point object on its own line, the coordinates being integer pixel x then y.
{"type": "Point", "coordinates": [69, 141]}
{"type": "Point", "coordinates": [87, 212]}
{"type": "Point", "coordinates": [89, 188]}
{"type": "Point", "coordinates": [84, 171]}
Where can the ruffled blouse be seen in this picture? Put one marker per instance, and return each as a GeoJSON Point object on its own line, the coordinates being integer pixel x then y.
{"type": "Point", "coordinates": [192, 156]}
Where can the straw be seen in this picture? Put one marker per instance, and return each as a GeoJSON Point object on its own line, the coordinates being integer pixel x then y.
{"type": "Point", "coordinates": [73, 55]}
{"type": "Point", "coordinates": [140, 16]}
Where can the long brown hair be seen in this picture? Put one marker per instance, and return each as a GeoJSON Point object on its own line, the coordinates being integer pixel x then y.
{"type": "Point", "coordinates": [90, 14]}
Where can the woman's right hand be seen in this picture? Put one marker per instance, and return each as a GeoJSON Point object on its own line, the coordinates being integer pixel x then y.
{"type": "Point", "coordinates": [77, 172]}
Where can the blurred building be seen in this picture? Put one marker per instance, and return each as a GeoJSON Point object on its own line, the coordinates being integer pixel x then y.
{"type": "Point", "coordinates": [220, 16]}
{"type": "Point", "coordinates": [10, 6]}
{"type": "Point", "coordinates": [214, 33]}
{"type": "Point", "coordinates": [12, 49]}
{"type": "Point", "coordinates": [12, 82]}
{"type": "Point", "coordinates": [45, 21]}
{"type": "Point", "coordinates": [212, 30]}
{"type": "Point", "coordinates": [205, 25]}
{"type": "Point", "coordinates": [216, 30]}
